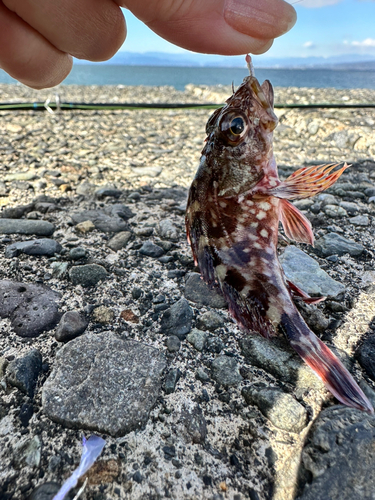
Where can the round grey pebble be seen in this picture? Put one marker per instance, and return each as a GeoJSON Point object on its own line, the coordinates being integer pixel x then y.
{"type": "Point", "coordinates": [316, 320]}
{"type": "Point", "coordinates": [202, 375]}
{"type": "Point", "coordinates": [87, 275]}
{"type": "Point", "coordinates": [280, 408]}
{"type": "Point", "coordinates": [197, 338]}
{"type": "Point", "coordinates": [137, 293]}
{"type": "Point", "coordinates": [23, 372]}
{"type": "Point", "coordinates": [350, 207]}
{"type": "Point", "coordinates": [197, 291]}
{"type": "Point", "coordinates": [335, 211]}
{"type": "Point", "coordinates": [360, 220]}
{"type": "Point", "coordinates": [210, 321]}
{"type": "Point", "coordinates": [78, 253]}
{"type": "Point", "coordinates": [224, 370]}
{"type": "Point", "coordinates": [173, 343]}
{"type": "Point", "coordinates": [120, 240]}
{"type": "Point", "coordinates": [171, 380]}
{"type": "Point", "coordinates": [32, 309]}
{"type": "Point", "coordinates": [151, 250]}
{"type": "Point", "coordinates": [177, 319]}
{"type": "Point", "coordinates": [108, 191]}
{"type": "Point", "coordinates": [135, 196]}
{"type": "Point", "coordinates": [72, 324]}
{"type": "Point", "coordinates": [168, 230]}
{"type": "Point", "coordinates": [334, 244]}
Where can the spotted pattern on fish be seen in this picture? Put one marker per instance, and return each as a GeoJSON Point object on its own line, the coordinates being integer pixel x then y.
{"type": "Point", "coordinates": [236, 202]}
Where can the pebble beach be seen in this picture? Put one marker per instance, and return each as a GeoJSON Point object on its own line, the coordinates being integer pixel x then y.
{"type": "Point", "coordinates": [107, 328]}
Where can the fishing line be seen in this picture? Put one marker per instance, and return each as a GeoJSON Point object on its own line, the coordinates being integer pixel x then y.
{"type": "Point", "coordinates": [52, 107]}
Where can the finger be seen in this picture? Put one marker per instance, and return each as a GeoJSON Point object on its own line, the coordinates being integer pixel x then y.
{"type": "Point", "coordinates": [86, 29]}
{"type": "Point", "coordinates": [27, 56]}
{"type": "Point", "coordinates": [262, 19]}
{"type": "Point", "coordinates": [225, 27]}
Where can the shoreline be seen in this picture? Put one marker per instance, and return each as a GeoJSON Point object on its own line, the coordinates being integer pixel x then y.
{"type": "Point", "coordinates": [192, 93]}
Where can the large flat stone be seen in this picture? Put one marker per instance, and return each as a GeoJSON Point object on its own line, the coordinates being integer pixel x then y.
{"type": "Point", "coordinates": [339, 456]}
{"type": "Point", "coordinates": [102, 383]}
{"type": "Point", "coordinates": [304, 271]}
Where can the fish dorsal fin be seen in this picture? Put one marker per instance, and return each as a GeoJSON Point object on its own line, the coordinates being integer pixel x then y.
{"type": "Point", "coordinates": [295, 224]}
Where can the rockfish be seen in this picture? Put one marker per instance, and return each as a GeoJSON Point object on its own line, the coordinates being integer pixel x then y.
{"type": "Point", "coordinates": [235, 204]}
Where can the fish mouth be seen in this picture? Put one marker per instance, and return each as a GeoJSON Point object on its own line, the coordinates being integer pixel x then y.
{"type": "Point", "coordinates": [258, 91]}
{"type": "Point", "coordinates": [268, 119]}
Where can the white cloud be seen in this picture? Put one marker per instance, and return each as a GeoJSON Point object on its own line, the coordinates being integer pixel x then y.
{"type": "Point", "coordinates": [368, 42]}
{"type": "Point", "coordinates": [308, 45]}
{"type": "Point", "coordinates": [313, 4]}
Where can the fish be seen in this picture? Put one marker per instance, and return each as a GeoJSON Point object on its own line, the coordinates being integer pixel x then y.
{"type": "Point", "coordinates": [234, 207]}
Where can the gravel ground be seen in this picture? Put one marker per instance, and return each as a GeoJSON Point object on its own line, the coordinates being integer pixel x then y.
{"type": "Point", "coordinates": [217, 414]}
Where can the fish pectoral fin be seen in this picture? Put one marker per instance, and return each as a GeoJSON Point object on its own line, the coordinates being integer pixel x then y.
{"type": "Point", "coordinates": [297, 292]}
{"type": "Point", "coordinates": [308, 181]}
{"type": "Point", "coordinates": [295, 224]}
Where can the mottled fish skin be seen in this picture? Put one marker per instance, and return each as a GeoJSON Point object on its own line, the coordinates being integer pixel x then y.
{"type": "Point", "coordinates": [235, 204]}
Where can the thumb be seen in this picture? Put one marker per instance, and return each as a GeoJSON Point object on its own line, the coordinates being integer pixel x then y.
{"type": "Point", "coordinates": [226, 27]}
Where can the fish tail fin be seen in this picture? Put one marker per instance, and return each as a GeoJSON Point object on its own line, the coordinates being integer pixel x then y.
{"type": "Point", "coordinates": [324, 363]}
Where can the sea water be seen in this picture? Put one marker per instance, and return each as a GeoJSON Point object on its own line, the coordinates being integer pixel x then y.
{"type": "Point", "coordinates": [178, 77]}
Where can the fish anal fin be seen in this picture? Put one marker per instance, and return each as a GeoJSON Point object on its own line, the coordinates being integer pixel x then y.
{"type": "Point", "coordinates": [297, 292]}
{"type": "Point", "coordinates": [308, 181]}
{"type": "Point", "coordinates": [295, 224]}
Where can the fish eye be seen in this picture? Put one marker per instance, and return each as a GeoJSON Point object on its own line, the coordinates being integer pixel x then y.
{"type": "Point", "coordinates": [234, 126]}
{"type": "Point", "coordinates": [237, 125]}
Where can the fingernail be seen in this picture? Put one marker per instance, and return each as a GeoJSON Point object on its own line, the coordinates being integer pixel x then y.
{"type": "Point", "coordinates": [260, 18]}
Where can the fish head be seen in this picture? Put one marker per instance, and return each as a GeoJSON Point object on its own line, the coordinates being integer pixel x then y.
{"type": "Point", "coordinates": [239, 137]}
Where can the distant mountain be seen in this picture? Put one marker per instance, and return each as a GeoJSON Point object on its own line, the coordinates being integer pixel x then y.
{"type": "Point", "coordinates": [345, 62]}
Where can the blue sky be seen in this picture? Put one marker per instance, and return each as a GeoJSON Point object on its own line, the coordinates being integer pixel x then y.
{"type": "Point", "coordinates": [324, 28]}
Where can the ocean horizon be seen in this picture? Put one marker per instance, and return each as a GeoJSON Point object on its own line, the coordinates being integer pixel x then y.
{"type": "Point", "coordinates": [179, 76]}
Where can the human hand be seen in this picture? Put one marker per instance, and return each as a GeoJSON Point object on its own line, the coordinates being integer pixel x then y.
{"type": "Point", "coordinates": [38, 37]}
